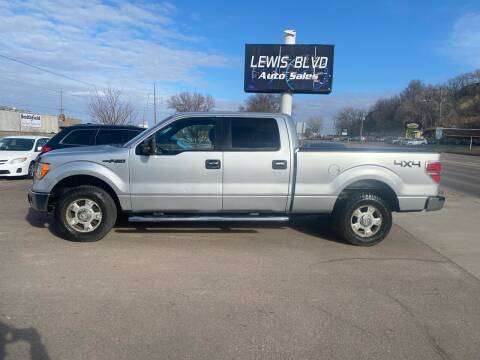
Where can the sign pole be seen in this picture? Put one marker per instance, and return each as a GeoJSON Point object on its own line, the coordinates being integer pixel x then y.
{"type": "Point", "coordinates": [289, 37]}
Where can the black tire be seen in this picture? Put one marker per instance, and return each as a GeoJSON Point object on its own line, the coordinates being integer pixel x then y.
{"type": "Point", "coordinates": [102, 200]}
{"type": "Point", "coordinates": [345, 219]}
{"type": "Point", "coordinates": [31, 170]}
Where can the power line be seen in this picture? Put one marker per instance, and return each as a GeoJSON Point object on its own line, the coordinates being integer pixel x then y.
{"type": "Point", "coordinates": [29, 84]}
{"type": "Point", "coordinates": [29, 107]}
{"type": "Point", "coordinates": [34, 106]}
{"type": "Point", "coordinates": [46, 70]}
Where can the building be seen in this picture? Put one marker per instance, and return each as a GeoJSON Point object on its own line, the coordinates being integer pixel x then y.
{"type": "Point", "coordinates": [64, 122]}
{"type": "Point", "coordinates": [452, 136]}
{"type": "Point", "coordinates": [15, 122]}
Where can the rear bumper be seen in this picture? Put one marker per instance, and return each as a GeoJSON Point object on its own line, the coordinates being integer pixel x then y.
{"type": "Point", "coordinates": [434, 203]}
{"type": "Point", "coordinates": [38, 201]}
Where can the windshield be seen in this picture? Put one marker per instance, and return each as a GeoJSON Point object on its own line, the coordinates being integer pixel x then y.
{"type": "Point", "coordinates": [132, 141]}
{"type": "Point", "coordinates": [16, 144]}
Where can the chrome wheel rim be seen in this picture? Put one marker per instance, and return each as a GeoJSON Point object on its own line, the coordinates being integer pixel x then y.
{"type": "Point", "coordinates": [366, 221]}
{"type": "Point", "coordinates": [83, 215]}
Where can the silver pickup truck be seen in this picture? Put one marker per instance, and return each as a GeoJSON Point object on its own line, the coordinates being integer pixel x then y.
{"type": "Point", "coordinates": [232, 167]}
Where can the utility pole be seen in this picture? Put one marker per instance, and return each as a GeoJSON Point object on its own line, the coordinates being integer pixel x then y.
{"type": "Point", "coordinates": [289, 37]}
{"type": "Point", "coordinates": [61, 102]}
{"type": "Point", "coordinates": [154, 105]}
{"type": "Point", "coordinates": [440, 106]}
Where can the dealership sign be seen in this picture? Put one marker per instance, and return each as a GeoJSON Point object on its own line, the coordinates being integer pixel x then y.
{"type": "Point", "coordinates": [304, 69]}
{"type": "Point", "coordinates": [31, 120]}
{"type": "Point", "coordinates": [412, 126]}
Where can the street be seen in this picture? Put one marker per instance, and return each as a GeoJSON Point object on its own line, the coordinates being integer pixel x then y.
{"type": "Point", "coordinates": [461, 173]}
{"type": "Point", "coordinates": [246, 292]}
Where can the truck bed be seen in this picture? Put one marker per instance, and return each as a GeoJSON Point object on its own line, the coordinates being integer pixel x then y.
{"type": "Point", "coordinates": [323, 173]}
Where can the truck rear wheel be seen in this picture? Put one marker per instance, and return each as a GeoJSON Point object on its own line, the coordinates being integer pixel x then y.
{"type": "Point", "coordinates": [364, 219]}
{"type": "Point", "coordinates": [85, 213]}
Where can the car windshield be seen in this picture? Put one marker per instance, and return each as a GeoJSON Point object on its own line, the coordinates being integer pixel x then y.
{"type": "Point", "coordinates": [16, 144]}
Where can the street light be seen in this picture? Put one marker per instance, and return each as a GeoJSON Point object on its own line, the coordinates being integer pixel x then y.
{"type": "Point", "coordinates": [361, 128]}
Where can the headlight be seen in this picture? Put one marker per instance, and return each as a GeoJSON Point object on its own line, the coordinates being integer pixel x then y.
{"type": "Point", "coordinates": [42, 170]}
{"type": "Point", "coordinates": [18, 160]}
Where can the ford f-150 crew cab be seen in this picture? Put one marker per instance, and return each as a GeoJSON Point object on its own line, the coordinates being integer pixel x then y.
{"type": "Point", "coordinates": [232, 167]}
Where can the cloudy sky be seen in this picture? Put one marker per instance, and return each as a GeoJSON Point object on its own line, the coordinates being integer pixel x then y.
{"type": "Point", "coordinates": [189, 45]}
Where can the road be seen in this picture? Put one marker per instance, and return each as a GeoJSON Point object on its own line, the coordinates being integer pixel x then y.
{"type": "Point", "coordinates": [229, 291]}
{"type": "Point", "coordinates": [461, 173]}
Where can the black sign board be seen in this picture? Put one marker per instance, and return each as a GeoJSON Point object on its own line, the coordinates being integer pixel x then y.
{"type": "Point", "coordinates": [306, 69]}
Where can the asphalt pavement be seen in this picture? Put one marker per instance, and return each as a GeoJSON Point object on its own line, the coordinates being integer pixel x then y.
{"type": "Point", "coordinates": [461, 173]}
{"type": "Point", "coordinates": [226, 291]}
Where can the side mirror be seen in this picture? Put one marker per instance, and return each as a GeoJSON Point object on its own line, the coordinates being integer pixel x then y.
{"type": "Point", "coordinates": [38, 149]}
{"type": "Point", "coordinates": [147, 147]}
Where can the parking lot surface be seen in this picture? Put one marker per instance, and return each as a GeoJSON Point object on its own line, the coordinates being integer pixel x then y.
{"type": "Point", "coordinates": [219, 292]}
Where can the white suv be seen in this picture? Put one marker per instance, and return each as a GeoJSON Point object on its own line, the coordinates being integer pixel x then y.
{"type": "Point", "coordinates": [18, 154]}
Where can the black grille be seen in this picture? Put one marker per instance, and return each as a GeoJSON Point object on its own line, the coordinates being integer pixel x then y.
{"type": "Point", "coordinates": [4, 172]}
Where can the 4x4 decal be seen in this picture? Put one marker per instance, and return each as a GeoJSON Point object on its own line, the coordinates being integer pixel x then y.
{"type": "Point", "coordinates": [407, 163]}
{"type": "Point", "coordinates": [115, 161]}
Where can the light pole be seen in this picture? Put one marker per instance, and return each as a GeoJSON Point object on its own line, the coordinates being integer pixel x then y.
{"type": "Point", "coordinates": [361, 128]}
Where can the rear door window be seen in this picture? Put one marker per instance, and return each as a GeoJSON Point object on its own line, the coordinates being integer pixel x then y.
{"type": "Point", "coordinates": [110, 137]}
{"type": "Point", "coordinates": [250, 134]}
{"type": "Point", "coordinates": [115, 136]}
{"type": "Point", "coordinates": [80, 137]}
{"type": "Point", "coordinates": [130, 134]}
{"type": "Point", "coordinates": [42, 142]}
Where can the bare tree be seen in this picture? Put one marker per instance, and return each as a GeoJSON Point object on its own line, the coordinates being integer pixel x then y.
{"type": "Point", "coordinates": [349, 118]}
{"type": "Point", "coordinates": [261, 103]}
{"type": "Point", "coordinates": [313, 126]}
{"type": "Point", "coordinates": [190, 102]}
{"type": "Point", "coordinates": [108, 107]}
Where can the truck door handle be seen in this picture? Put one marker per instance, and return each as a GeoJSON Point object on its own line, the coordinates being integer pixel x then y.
{"type": "Point", "coordinates": [212, 164]}
{"type": "Point", "coordinates": [279, 164]}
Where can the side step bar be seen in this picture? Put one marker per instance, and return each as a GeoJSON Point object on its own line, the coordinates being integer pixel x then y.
{"type": "Point", "coordinates": [205, 218]}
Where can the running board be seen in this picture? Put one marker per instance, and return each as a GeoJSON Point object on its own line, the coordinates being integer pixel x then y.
{"type": "Point", "coordinates": [209, 218]}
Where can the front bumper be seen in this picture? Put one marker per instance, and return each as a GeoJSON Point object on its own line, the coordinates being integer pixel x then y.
{"type": "Point", "coordinates": [38, 201]}
{"type": "Point", "coordinates": [13, 169]}
{"type": "Point", "coordinates": [434, 203]}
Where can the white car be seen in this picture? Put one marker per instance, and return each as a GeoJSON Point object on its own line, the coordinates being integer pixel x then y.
{"type": "Point", "coordinates": [416, 142]}
{"type": "Point", "coordinates": [18, 154]}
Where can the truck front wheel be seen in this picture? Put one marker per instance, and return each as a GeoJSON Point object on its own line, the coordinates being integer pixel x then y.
{"type": "Point", "coordinates": [85, 213]}
{"type": "Point", "coordinates": [364, 219]}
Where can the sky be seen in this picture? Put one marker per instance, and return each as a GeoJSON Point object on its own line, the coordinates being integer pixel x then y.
{"type": "Point", "coordinates": [189, 45]}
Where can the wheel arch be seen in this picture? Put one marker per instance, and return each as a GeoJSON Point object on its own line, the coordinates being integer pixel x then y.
{"type": "Point", "coordinates": [73, 181]}
{"type": "Point", "coordinates": [374, 186]}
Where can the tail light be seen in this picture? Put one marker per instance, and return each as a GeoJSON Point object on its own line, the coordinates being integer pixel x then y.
{"type": "Point", "coordinates": [434, 170]}
{"type": "Point", "coordinates": [45, 149]}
